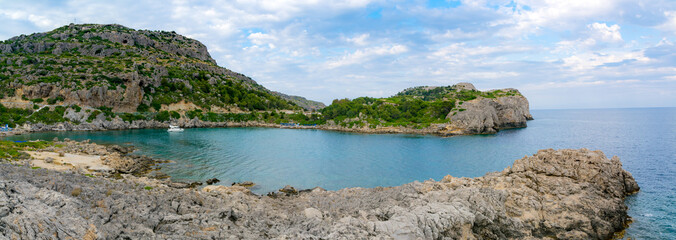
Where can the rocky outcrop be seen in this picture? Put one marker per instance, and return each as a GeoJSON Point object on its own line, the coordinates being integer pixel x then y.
{"type": "Point", "coordinates": [110, 32]}
{"type": "Point", "coordinates": [560, 194]}
{"type": "Point", "coordinates": [489, 115]}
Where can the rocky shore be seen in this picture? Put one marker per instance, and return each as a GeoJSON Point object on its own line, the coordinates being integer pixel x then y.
{"type": "Point", "coordinates": [562, 194]}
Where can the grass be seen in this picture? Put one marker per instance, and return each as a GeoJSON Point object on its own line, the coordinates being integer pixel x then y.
{"type": "Point", "coordinates": [14, 150]}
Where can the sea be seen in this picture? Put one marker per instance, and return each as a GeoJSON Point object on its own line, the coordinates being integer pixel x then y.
{"type": "Point", "coordinates": [643, 138]}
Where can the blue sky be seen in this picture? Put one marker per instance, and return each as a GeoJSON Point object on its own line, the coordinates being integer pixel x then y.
{"type": "Point", "coordinates": [560, 54]}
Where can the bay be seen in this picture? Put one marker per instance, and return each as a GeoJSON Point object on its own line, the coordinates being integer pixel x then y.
{"type": "Point", "coordinates": [643, 138]}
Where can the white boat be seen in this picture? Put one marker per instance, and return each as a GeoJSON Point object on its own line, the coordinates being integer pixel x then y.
{"type": "Point", "coordinates": [173, 128]}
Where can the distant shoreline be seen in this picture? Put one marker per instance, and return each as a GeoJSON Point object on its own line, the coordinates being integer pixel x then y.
{"type": "Point", "coordinates": [440, 131]}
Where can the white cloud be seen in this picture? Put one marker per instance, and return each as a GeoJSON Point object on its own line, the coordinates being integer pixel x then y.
{"type": "Point", "coordinates": [670, 24]}
{"type": "Point", "coordinates": [598, 35]}
{"type": "Point", "coordinates": [457, 34]}
{"type": "Point", "coordinates": [603, 32]}
{"type": "Point", "coordinates": [359, 40]}
{"type": "Point", "coordinates": [554, 14]}
{"type": "Point", "coordinates": [259, 38]}
{"type": "Point", "coordinates": [362, 55]}
{"type": "Point", "coordinates": [588, 60]}
{"type": "Point", "coordinates": [38, 20]}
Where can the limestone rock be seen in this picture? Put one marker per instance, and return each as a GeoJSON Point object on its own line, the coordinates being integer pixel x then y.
{"type": "Point", "coordinates": [554, 194]}
{"type": "Point", "coordinates": [464, 86]}
{"type": "Point", "coordinates": [488, 115]}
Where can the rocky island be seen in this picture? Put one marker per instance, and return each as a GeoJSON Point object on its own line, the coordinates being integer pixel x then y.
{"type": "Point", "coordinates": [101, 77]}
{"type": "Point", "coordinates": [554, 194]}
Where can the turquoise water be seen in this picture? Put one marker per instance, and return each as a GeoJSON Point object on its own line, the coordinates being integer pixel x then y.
{"type": "Point", "coordinates": [644, 139]}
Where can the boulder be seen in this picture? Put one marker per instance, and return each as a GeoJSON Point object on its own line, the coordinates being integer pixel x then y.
{"type": "Point", "coordinates": [289, 190]}
{"type": "Point", "coordinates": [212, 181]}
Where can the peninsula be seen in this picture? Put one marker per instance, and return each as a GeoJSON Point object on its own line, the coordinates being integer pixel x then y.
{"type": "Point", "coordinates": [101, 77]}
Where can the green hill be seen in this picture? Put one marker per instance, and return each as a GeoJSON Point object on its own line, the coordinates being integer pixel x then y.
{"type": "Point", "coordinates": [416, 107]}
{"type": "Point", "coordinates": [121, 70]}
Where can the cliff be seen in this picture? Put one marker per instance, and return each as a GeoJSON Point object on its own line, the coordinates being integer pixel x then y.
{"type": "Point", "coordinates": [489, 115]}
{"type": "Point", "coordinates": [561, 194]}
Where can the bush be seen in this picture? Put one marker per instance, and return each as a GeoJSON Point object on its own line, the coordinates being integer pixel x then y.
{"type": "Point", "coordinates": [76, 107]}
{"type": "Point", "coordinates": [142, 108]}
{"type": "Point", "coordinates": [93, 115]}
{"type": "Point", "coordinates": [174, 115]}
{"type": "Point", "coordinates": [162, 116]}
{"type": "Point", "coordinates": [54, 100]}
{"type": "Point", "coordinates": [130, 117]}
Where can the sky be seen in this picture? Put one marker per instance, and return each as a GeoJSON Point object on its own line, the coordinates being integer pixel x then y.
{"type": "Point", "coordinates": [559, 54]}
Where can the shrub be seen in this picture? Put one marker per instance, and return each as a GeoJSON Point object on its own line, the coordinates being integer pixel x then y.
{"type": "Point", "coordinates": [162, 116]}
{"type": "Point", "coordinates": [142, 108]}
{"type": "Point", "coordinates": [175, 115]}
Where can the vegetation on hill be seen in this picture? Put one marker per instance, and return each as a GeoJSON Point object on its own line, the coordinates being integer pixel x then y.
{"type": "Point", "coordinates": [79, 63]}
{"type": "Point", "coordinates": [414, 107]}
{"type": "Point", "coordinates": [110, 71]}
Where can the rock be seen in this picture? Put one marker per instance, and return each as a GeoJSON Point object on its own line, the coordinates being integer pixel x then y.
{"type": "Point", "coordinates": [213, 181]}
{"type": "Point", "coordinates": [61, 154]}
{"type": "Point", "coordinates": [312, 213]}
{"type": "Point", "coordinates": [120, 149]}
{"type": "Point", "coordinates": [553, 194]}
{"type": "Point", "coordinates": [49, 160]}
{"type": "Point", "coordinates": [464, 86]}
{"type": "Point", "coordinates": [226, 189]}
{"type": "Point", "coordinates": [488, 115]}
{"type": "Point", "coordinates": [289, 190]}
{"type": "Point", "coordinates": [177, 184]}
{"type": "Point", "coordinates": [246, 184]}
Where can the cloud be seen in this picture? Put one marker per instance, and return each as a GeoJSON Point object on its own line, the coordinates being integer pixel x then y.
{"type": "Point", "coordinates": [554, 14]}
{"type": "Point", "coordinates": [334, 49]}
{"type": "Point", "coordinates": [597, 36]}
{"type": "Point", "coordinates": [587, 61]}
{"type": "Point", "coordinates": [362, 55]}
{"type": "Point", "coordinates": [359, 40]}
{"type": "Point", "coordinates": [670, 23]}
{"type": "Point", "coordinates": [261, 38]}
{"type": "Point", "coordinates": [603, 32]}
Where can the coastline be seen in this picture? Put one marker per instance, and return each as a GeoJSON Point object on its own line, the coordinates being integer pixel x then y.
{"type": "Point", "coordinates": [440, 130]}
{"type": "Point", "coordinates": [574, 184]}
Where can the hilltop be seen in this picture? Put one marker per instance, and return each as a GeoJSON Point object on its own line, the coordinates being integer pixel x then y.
{"type": "Point", "coordinates": [116, 69]}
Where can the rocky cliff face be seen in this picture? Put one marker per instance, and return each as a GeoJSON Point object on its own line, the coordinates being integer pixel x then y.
{"type": "Point", "coordinates": [560, 194]}
{"type": "Point", "coordinates": [489, 115]}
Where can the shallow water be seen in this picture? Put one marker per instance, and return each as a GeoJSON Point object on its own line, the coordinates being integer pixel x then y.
{"type": "Point", "coordinates": [644, 139]}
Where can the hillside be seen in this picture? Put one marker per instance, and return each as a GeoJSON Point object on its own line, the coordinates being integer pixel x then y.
{"type": "Point", "coordinates": [98, 77]}
{"type": "Point", "coordinates": [449, 110]}
{"type": "Point", "coordinates": [119, 70]}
